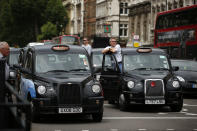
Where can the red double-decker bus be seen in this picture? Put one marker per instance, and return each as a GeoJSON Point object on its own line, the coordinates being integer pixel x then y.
{"type": "Point", "coordinates": [176, 32]}
{"type": "Point", "coordinates": [67, 39]}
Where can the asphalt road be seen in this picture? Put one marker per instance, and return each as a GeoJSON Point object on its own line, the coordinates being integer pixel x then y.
{"type": "Point", "coordinates": [139, 118]}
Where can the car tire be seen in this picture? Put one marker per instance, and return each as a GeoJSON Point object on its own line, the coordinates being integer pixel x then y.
{"type": "Point", "coordinates": [97, 117]}
{"type": "Point", "coordinates": [122, 103]}
{"type": "Point", "coordinates": [178, 107]}
{"type": "Point", "coordinates": [111, 102]}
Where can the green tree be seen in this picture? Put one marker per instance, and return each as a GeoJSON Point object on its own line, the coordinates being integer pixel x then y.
{"type": "Point", "coordinates": [48, 30]}
{"type": "Point", "coordinates": [56, 13]}
{"type": "Point", "coordinates": [21, 20]}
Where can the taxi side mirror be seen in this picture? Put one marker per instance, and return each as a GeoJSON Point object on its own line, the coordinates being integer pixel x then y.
{"type": "Point", "coordinates": [175, 68]}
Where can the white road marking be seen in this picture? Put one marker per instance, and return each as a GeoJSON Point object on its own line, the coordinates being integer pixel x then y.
{"type": "Point", "coordinates": [148, 118]}
{"type": "Point", "coordinates": [185, 110]}
{"type": "Point", "coordinates": [170, 129]}
{"type": "Point", "coordinates": [191, 114]}
{"type": "Point", "coordinates": [194, 130]}
{"type": "Point", "coordinates": [113, 129]}
{"type": "Point", "coordinates": [142, 129]}
{"type": "Point", "coordinates": [183, 105]}
{"type": "Point", "coordinates": [161, 113]}
{"type": "Point", "coordinates": [84, 130]}
{"type": "Point", "coordinates": [189, 105]}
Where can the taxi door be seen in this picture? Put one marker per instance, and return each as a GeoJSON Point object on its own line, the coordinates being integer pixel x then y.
{"type": "Point", "coordinates": [110, 77]}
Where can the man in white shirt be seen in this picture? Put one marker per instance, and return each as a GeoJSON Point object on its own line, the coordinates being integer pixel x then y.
{"type": "Point", "coordinates": [86, 45]}
{"type": "Point", "coordinates": [116, 50]}
{"type": "Point", "coordinates": [4, 52]}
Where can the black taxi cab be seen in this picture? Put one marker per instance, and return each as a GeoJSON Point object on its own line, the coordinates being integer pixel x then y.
{"type": "Point", "coordinates": [147, 78]}
{"type": "Point", "coordinates": [58, 79]}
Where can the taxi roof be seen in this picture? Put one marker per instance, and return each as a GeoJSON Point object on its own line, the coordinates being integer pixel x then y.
{"type": "Point", "coordinates": [48, 48]}
{"type": "Point", "coordinates": [134, 50]}
{"type": "Point", "coordinates": [97, 50]}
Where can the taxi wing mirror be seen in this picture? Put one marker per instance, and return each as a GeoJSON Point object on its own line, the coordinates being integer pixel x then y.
{"type": "Point", "coordinates": [175, 68]}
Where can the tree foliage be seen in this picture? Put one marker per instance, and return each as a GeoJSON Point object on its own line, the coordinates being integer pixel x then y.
{"type": "Point", "coordinates": [48, 31]}
{"type": "Point", "coordinates": [21, 20]}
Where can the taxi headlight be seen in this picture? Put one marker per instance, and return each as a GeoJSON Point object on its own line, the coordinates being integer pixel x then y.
{"type": "Point", "coordinates": [181, 78]}
{"type": "Point", "coordinates": [130, 84]}
{"type": "Point", "coordinates": [175, 84]}
{"type": "Point", "coordinates": [41, 90]}
{"type": "Point", "coordinates": [96, 88]}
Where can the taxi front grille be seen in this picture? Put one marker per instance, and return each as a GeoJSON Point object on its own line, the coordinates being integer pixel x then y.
{"type": "Point", "coordinates": [69, 94]}
{"type": "Point", "coordinates": [154, 88]}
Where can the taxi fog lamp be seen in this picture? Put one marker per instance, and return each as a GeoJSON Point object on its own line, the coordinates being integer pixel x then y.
{"type": "Point", "coordinates": [175, 84]}
{"type": "Point", "coordinates": [96, 88]}
{"type": "Point", "coordinates": [130, 84]}
{"type": "Point", "coordinates": [41, 90]}
{"type": "Point", "coordinates": [97, 102]}
{"type": "Point", "coordinates": [181, 78]}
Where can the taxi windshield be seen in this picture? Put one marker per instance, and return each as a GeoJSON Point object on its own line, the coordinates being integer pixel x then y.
{"type": "Point", "coordinates": [61, 62]}
{"type": "Point", "coordinates": [13, 58]}
{"type": "Point", "coordinates": [145, 62]}
{"type": "Point", "coordinates": [97, 59]}
{"type": "Point", "coordinates": [185, 65]}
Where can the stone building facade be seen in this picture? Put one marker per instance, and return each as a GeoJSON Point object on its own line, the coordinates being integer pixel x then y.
{"type": "Point", "coordinates": [142, 16]}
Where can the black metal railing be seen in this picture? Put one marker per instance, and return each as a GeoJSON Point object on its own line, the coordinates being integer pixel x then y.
{"type": "Point", "coordinates": [15, 112]}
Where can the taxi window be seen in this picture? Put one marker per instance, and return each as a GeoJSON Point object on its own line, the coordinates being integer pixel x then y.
{"type": "Point", "coordinates": [133, 62]}
{"type": "Point", "coordinates": [185, 65]}
{"type": "Point", "coordinates": [62, 61]}
{"type": "Point", "coordinates": [97, 59]}
{"type": "Point", "coordinates": [109, 63]}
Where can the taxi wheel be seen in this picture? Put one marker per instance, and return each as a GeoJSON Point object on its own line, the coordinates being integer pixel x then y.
{"type": "Point", "coordinates": [97, 117]}
{"type": "Point", "coordinates": [122, 103]}
{"type": "Point", "coordinates": [178, 107]}
{"type": "Point", "coordinates": [111, 101]}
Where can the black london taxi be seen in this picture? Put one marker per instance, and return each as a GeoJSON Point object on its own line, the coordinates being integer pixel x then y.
{"type": "Point", "coordinates": [187, 74]}
{"type": "Point", "coordinates": [147, 78]}
{"type": "Point", "coordinates": [58, 79]}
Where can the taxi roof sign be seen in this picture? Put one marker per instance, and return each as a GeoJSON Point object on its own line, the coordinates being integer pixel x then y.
{"type": "Point", "coordinates": [60, 48]}
{"type": "Point", "coordinates": [144, 50]}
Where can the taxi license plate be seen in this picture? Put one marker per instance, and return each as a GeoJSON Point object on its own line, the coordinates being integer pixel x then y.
{"type": "Point", "coordinates": [194, 85]}
{"type": "Point", "coordinates": [154, 101]}
{"type": "Point", "coordinates": [71, 110]}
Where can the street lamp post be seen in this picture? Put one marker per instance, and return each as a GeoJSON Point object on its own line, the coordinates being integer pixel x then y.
{"type": "Point", "coordinates": [119, 22]}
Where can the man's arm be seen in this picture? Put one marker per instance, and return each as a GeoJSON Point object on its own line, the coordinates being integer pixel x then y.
{"type": "Point", "coordinates": [105, 50]}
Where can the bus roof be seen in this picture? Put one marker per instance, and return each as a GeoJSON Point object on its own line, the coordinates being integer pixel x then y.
{"type": "Point", "coordinates": [177, 10]}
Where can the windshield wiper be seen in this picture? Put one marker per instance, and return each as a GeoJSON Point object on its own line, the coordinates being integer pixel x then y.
{"type": "Point", "coordinates": [142, 69]}
{"type": "Point", "coordinates": [160, 69]}
{"type": "Point", "coordinates": [78, 70]}
{"type": "Point", "coordinates": [57, 71]}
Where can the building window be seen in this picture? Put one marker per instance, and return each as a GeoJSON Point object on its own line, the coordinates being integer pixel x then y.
{"type": "Point", "coordinates": [123, 30]}
{"type": "Point", "coordinates": [124, 8]}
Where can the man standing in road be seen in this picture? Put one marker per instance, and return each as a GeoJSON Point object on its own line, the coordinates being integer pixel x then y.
{"type": "Point", "coordinates": [4, 52]}
{"type": "Point", "coordinates": [86, 45]}
{"type": "Point", "coordinates": [116, 50]}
